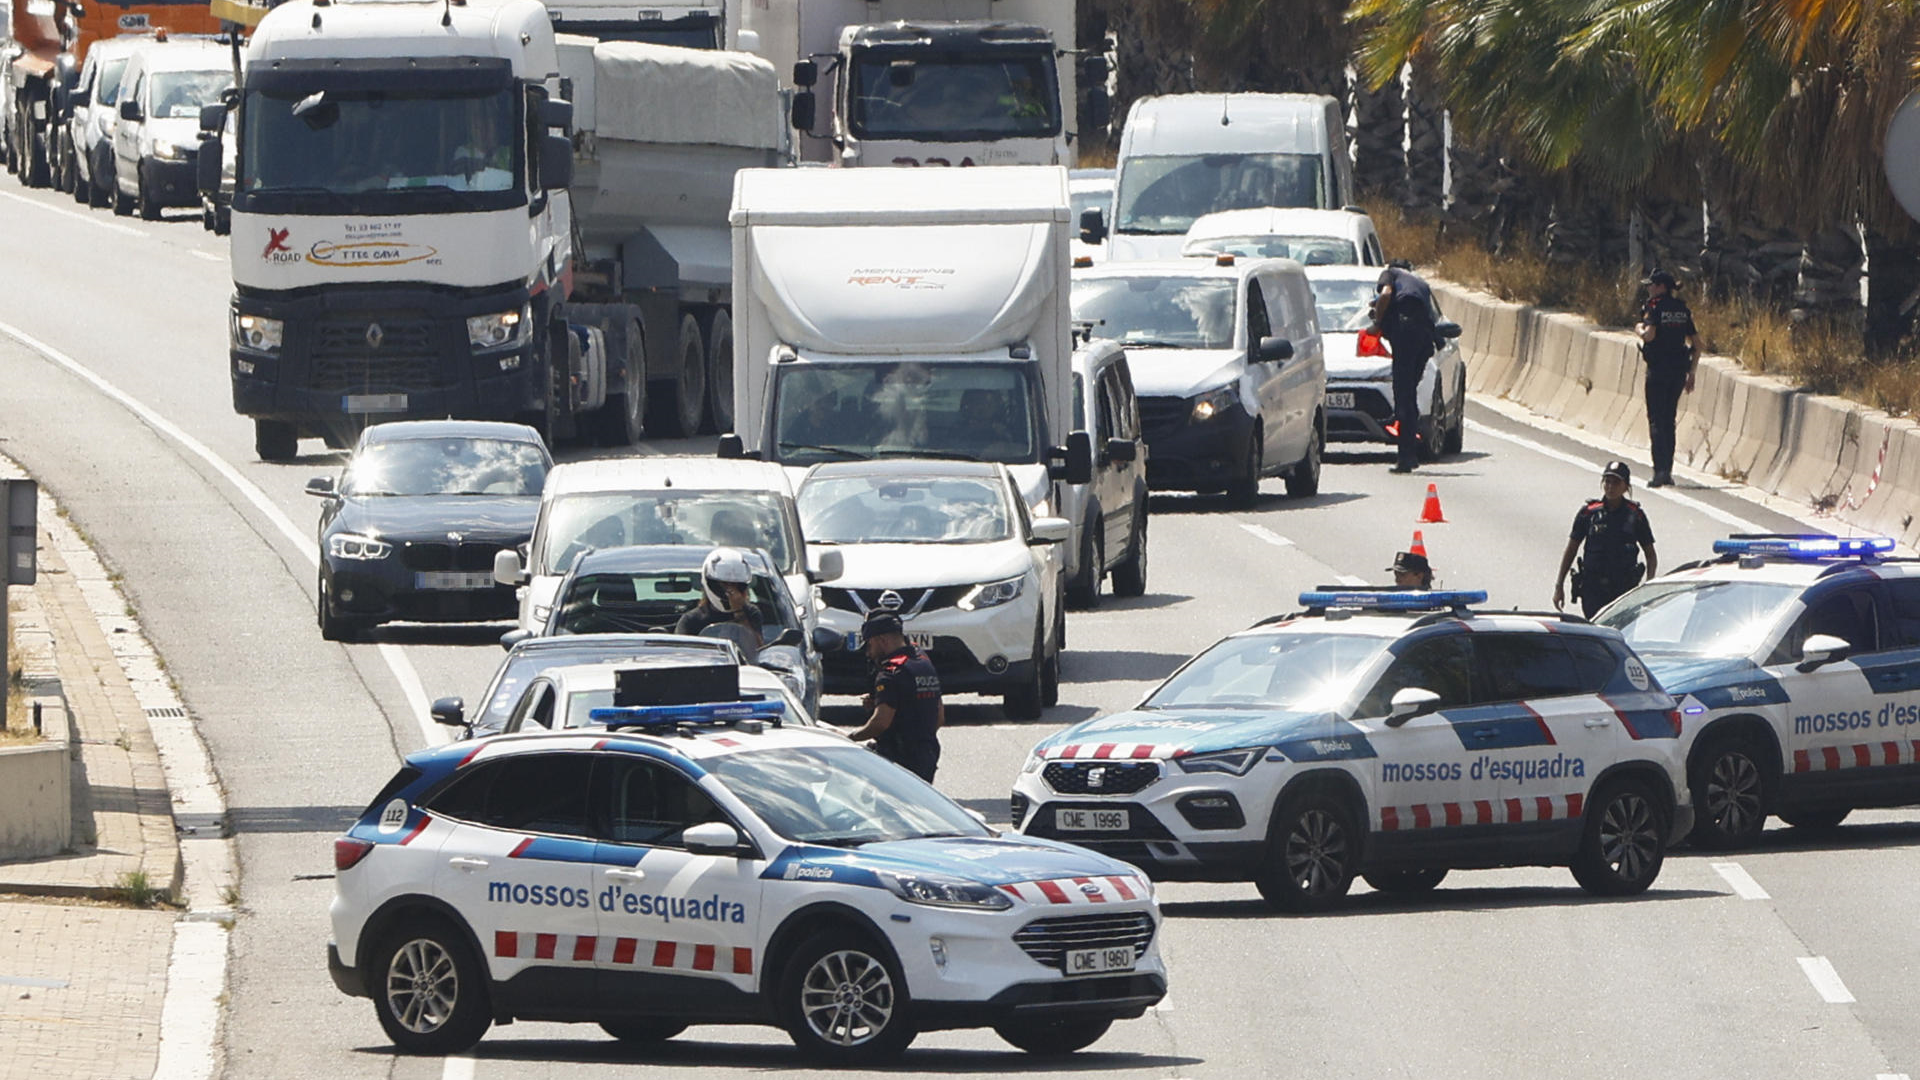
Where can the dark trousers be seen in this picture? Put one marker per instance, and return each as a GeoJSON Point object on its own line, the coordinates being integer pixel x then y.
{"type": "Point", "coordinates": [1408, 366]}
{"type": "Point", "coordinates": [921, 761]}
{"type": "Point", "coordinates": [1665, 384]}
{"type": "Point", "coordinates": [1592, 599]}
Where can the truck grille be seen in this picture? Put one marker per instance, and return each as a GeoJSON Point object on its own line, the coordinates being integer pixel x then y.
{"type": "Point", "coordinates": [1047, 940]}
{"type": "Point", "coordinates": [349, 356]}
{"type": "Point", "coordinates": [436, 556]}
{"type": "Point", "coordinates": [1100, 777]}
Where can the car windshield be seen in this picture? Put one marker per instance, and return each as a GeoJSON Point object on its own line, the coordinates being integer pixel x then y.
{"type": "Point", "coordinates": [1297, 672]}
{"type": "Point", "coordinates": [446, 466]}
{"type": "Point", "coordinates": [1343, 305]}
{"type": "Point", "coordinates": [904, 510]}
{"type": "Point", "coordinates": [1176, 312]}
{"type": "Point", "coordinates": [1696, 618]}
{"type": "Point", "coordinates": [336, 143]}
{"type": "Point", "coordinates": [951, 96]}
{"type": "Point", "coordinates": [849, 412]}
{"type": "Point", "coordinates": [652, 601]}
{"type": "Point", "coordinates": [109, 91]}
{"type": "Point", "coordinates": [610, 519]}
{"type": "Point", "coordinates": [841, 795]}
{"type": "Point", "coordinates": [1165, 194]}
{"type": "Point", "coordinates": [179, 94]}
{"type": "Point", "coordinates": [1309, 250]}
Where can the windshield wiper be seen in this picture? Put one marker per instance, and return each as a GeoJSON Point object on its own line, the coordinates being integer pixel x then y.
{"type": "Point", "coordinates": [1154, 343]}
{"type": "Point", "coordinates": [846, 841]}
{"type": "Point", "coordinates": [938, 455]}
{"type": "Point", "coordinates": [851, 455]}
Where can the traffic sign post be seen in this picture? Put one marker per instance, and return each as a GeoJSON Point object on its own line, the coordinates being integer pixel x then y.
{"type": "Point", "coordinates": [19, 500]}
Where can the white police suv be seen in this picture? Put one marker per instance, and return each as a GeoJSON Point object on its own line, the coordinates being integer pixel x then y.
{"type": "Point", "coordinates": [1797, 663]}
{"type": "Point", "coordinates": [1390, 734]}
{"type": "Point", "coordinates": [695, 863]}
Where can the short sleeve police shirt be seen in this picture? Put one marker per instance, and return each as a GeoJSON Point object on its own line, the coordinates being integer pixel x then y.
{"type": "Point", "coordinates": [1672, 323]}
{"type": "Point", "coordinates": [908, 683]}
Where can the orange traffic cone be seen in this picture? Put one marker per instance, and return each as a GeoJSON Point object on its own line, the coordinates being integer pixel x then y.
{"type": "Point", "coordinates": [1419, 545]}
{"type": "Point", "coordinates": [1431, 511]}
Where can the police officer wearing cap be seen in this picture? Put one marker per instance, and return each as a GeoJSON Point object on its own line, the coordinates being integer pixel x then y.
{"type": "Point", "coordinates": [907, 711]}
{"type": "Point", "coordinates": [1671, 346]}
{"type": "Point", "coordinates": [1615, 532]}
{"type": "Point", "coordinates": [1411, 571]}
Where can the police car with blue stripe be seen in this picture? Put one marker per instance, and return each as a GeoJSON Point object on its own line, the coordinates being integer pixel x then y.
{"type": "Point", "coordinates": [1394, 735]}
{"type": "Point", "coordinates": [692, 861]}
{"type": "Point", "coordinates": [1797, 662]}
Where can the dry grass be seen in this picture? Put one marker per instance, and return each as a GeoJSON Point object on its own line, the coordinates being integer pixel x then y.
{"type": "Point", "coordinates": [1825, 358]}
{"type": "Point", "coordinates": [19, 717]}
{"type": "Point", "coordinates": [1094, 156]}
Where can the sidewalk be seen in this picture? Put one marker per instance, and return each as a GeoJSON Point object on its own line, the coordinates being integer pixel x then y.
{"type": "Point", "coordinates": [83, 973]}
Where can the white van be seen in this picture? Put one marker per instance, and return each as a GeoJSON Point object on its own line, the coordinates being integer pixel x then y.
{"type": "Point", "coordinates": [95, 112]}
{"type": "Point", "coordinates": [157, 141]}
{"type": "Point", "coordinates": [1185, 155]}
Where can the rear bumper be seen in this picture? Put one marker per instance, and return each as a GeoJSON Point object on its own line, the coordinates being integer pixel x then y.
{"type": "Point", "coordinates": [345, 976]}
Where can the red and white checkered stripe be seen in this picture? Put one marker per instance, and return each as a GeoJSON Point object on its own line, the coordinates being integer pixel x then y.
{"type": "Point", "coordinates": [622, 952]}
{"type": "Point", "coordinates": [1481, 812]}
{"type": "Point", "coordinates": [1078, 890]}
{"type": "Point", "coordinates": [1110, 752]}
{"type": "Point", "coordinates": [1857, 756]}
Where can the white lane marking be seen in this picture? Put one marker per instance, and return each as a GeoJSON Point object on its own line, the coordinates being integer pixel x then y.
{"type": "Point", "coordinates": [91, 219]}
{"type": "Point", "coordinates": [1349, 579]}
{"type": "Point", "coordinates": [1688, 501]}
{"type": "Point", "coordinates": [190, 1012]}
{"type": "Point", "coordinates": [458, 1068]}
{"type": "Point", "coordinates": [1261, 532]}
{"type": "Point", "coordinates": [1826, 980]}
{"type": "Point", "coordinates": [207, 255]}
{"type": "Point", "coordinates": [1890, 1076]}
{"type": "Point", "coordinates": [1743, 884]}
{"type": "Point", "coordinates": [396, 660]}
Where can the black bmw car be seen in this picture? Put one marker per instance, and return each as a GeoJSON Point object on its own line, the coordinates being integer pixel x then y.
{"type": "Point", "coordinates": [410, 529]}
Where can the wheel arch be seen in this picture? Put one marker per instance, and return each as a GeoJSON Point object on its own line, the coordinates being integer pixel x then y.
{"type": "Point", "coordinates": [804, 923]}
{"type": "Point", "coordinates": [1644, 771]}
{"type": "Point", "coordinates": [1337, 783]}
{"type": "Point", "coordinates": [1748, 726]}
{"type": "Point", "coordinates": [413, 905]}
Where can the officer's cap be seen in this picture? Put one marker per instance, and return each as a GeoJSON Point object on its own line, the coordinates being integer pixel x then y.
{"type": "Point", "coordinates": [1660, 277]}
{"type": "Point", "coordinates": [1619, 469]}
{"type": "Point", "coordinates": [1407, 562]}
{"type": "Point", "coordinates": [880, 622]}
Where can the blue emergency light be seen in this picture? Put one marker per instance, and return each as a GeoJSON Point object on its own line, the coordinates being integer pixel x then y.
{"type": "Point", "coordinates": [1392, 599]}
{"type": "Point", "coordinates": [713, 712]}
{"type": "Point", "coordinates": [1804, 547]}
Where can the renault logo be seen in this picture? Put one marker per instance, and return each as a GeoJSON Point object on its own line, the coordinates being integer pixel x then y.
{"type": "Point", "coordinates": [375, 335]}
{"type": "Point", "coordinates": [890, 600]}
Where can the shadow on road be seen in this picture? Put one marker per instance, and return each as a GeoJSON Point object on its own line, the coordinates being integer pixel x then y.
{"type": "Point", "coordinates": [293, 819]}
{"type": "Point", "coordinates": [1441, 899]}
{"type": "Point", "coordinates": [439, 633]}
{"type": "Point", "coordinates": [1836, 838]}
{"type": "Point", "coordinates": [691, 1053]}
{"type": "Point", "coordinates": [1118, 665]}
{"type": "Point", "coordinates": [1142, 603]}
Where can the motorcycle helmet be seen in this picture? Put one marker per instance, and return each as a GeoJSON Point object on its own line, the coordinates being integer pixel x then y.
{"type": "Point", "coordinates": [723, 564]}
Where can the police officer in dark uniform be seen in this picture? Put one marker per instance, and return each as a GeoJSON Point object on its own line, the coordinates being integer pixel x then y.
{"type": "Point", "coordinates": [907, 711]}
{"type": "Point", "coordinates": [1403, 312]}
{"type": "Point", "coordinates": [1616, 533]}
{"type": "Point", "coordinates": [1671, 346]}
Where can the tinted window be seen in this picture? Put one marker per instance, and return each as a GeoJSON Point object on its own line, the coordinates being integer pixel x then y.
{"type": "Point", "coordinates": [1848, 616]}
{"type": "Point", "coordinates": [1258, 325]}
{"type": "Point", "coordinates": [1527, 666]}
{"type": "Point", "coordinates": [544, 793]}
{"type": "Point", "coordinates": [1906, 613]}
{"type": "Point", "coordinates": [1593, 663]}
{"type": "Point", "coordinates": [644, 803]}
{"type": "Point", "coordinates": [1443, 665]}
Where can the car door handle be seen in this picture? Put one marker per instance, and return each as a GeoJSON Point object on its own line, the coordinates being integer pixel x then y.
{"type": "Point", "coordinates": [1599, 721]}
{"type": "Point", "coordinates": [468, 863]}
{"type": "Point", "coordinates": [627, 873]}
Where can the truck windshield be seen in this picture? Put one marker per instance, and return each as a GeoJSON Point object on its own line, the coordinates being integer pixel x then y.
{"type": "Point", "coordinates": [180, 94]}
{"type": "Point", "coordinates": [847, 412]}
{"type": "Point", "coordinates": [699, 31]}
{"type": "Point", "coordinates": [1164, 194]}
{"type": "Point", "coordinates": [1156, 311]}
{"type": "Point", "coordinates": [954, 96]}
{"type": "Point", "coordinates": [346, 146]}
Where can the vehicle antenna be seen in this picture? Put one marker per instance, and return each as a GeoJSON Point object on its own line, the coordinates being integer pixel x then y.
{"type": "Point", "coordinates": [446, 12]}
{"type": "Point", "coordinates": [1225, 100]}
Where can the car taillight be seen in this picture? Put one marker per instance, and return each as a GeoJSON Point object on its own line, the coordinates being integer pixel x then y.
{"type": "Point", "coordinates": [348, 851]}
{"type": "Point", "coordinates": [1674, 715]}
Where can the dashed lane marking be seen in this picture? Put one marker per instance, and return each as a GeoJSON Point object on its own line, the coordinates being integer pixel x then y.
{"type": "Point", "coordinates": [1743, 884]}
{"type": "Point", "coordinates": [1825, 980]}
{"type": "Point", "coordinates": [1261, 532]}
{"type": "Point", "coordinates": [207, 255]}
{"type": "Point", "coordinates": [92, 219]}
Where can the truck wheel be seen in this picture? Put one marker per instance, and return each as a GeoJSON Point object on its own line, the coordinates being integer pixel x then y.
{"type": "Point", "coordinates": [1130, 576]}
{"type": "Point", "coordinates": [720, 371]}
{"type": "Point", "coordinates": [1084, 590]}
{"type": "Point", "coordinates": [1303, 481]}
{"type": "Point", "coordinates": [274, 440]}
{"type": "Point", "coordinates": [676, 412]}
{"type": "Point", "coordinates": [622, 422]}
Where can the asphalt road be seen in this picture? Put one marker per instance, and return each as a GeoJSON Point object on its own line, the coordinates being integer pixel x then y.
{"type": "Point", "coordinates": [1792, 961]}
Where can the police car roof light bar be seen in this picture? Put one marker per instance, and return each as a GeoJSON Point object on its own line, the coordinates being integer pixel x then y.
{"type": "Point", "coordinates": [706, 714]}
{"type": "Point", "coordinates": [1803, 546]}
{"type": "Point", "coordinates": [1379, 599]}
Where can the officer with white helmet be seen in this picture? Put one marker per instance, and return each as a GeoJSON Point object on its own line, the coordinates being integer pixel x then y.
{"type": "Point", "coordinates": [724, 579]}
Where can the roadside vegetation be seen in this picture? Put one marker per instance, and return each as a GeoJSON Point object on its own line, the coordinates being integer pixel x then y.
{"type": "Point", "coordinates": [19, 717]}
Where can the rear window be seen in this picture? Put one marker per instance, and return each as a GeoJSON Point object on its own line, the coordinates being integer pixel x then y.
{"type": "Point", "coordinates": [400, 782]}
{"type": "Point", "coordinates": [531, 793]}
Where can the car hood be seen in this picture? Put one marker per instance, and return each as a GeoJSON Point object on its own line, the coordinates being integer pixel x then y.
{"type": "Point", "coordinates": [1138, 247]}
{"type": "Point", "coordinates": [1172, 733]}
{"type": "Point", "coordinates": [1715, 681]}
{"type": "Point", "coordinates": [1181, 372]}
{"type": "Point", "coordinates": [499, 519]}
{"type": "Point", "coordinates": [1343, 361]}
{"type": "Point", "coordinates": [998, 861]}
{"type": "Point", "coordinates": [178, 130]}
{"type": "Point", "coordinates": [898, 566]}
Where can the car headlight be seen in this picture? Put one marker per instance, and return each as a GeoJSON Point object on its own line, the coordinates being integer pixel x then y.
{"type": "Point", "coordinates": [1234, 762]}
{"type": "Point", "coordinates": [1212, 403]}
{"type": "Point", "coordinates": [355, 546]}
{"type": "Point", "coordinates": [1034, 761]}
{"type": "Point", "coordinates": [257, 332]}
{"type": "Point", "coordinates": [496, 330]}
{"type": "Point", "coordinates": [935, 890]}
{"type": "Point", "coordinates": [167, 151]}
{"type": "Point", "coordinates": [992, 594]}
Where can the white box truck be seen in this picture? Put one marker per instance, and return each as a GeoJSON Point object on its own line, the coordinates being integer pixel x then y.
{"type": "Point", "coordinates": [896, 312]}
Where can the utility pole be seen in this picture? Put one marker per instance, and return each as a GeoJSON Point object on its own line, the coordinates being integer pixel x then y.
{"type": "Point", "coordinates": [18, 500]}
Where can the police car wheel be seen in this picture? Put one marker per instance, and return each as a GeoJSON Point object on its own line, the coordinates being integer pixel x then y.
{"type": "Point", "coordinates": [1623, 842]}
{"type": "Point", "coordinates": [1312, 848]}
{"type": "Point", "coordinates": [1730, 791]}
{"type": "Point", "coordinates": [1054, 1037]}
{"type": "Point", "coordinates": [1405, 882]}
{"type": "Point", "coordinates": [643, 1030]}
{"type": "Point", "coordinates": [844, 1001]}
{"type": "Point", "coordinates": [1814, 819]}
{"type": "Point", "coordinates": [431, 997]}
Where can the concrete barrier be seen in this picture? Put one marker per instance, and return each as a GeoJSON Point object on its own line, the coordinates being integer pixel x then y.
{"type": "Point", "coordinates": [36, 790]}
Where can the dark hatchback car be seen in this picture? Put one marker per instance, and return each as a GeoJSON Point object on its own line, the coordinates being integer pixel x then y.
{"type": "Point", "coordinates": [410, 528]}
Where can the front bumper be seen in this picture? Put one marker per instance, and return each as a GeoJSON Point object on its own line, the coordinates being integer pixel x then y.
{"type": "Point", "coordinates": [388, 589]}
{"type": "Point", "coordinates": [985, 651]}
{"type": "Point", "coordinates": [1185, 455]}
{"type": "Point", "coordinates": [1120, 997]}
{"type": "Point", "coordinates": [172, 183]}
{"type": "Point", "coordinates": [1172, 832]}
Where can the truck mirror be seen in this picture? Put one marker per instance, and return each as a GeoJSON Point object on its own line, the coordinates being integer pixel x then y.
{"type": "Point", "coordinates": [556, 162]}
{"type": "Point", "coordinates": [1275, 348]}
{"type": "Point", "coordinates": [1122, 450]}
{"type": "Point", "coordinates": [1097, 112]}
{"type": "Point", "coordinates": [805, 73]}
{"type": "Point", "coordinates": [732, 447]}
{"type": "Point", "coordinates": [213, 117]}
{"type": "Point", "coordinates": [1073, 463]}
{"type": "Point", "coordinates": [1093, 225]}
{"type": "Point", "coordinates": [130, 110]}
{"type": "Point", "coordinates": [207, 165]}
{"type": "Point", "coordinates": [801, 112]}
{"type": "Point", "coordinates": [1093, 70]}
{"type": "Point", "coordinates": [557, 114]}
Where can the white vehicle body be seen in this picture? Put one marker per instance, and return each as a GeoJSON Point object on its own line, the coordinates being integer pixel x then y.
{"type": "Point", "coordinates": [1219, 412]}
{"type": "Point", "coordinates": [622, 488]}
{"type": "Point", "coordinates": [1110, 510]}
{"type": "Point", "coordinates": [1185, 155]}
{"type": "Point", "coordinates": [1360, 388]}
{"type": "Point", "coordinates": [891, 290]}
{"type": "Point", "coordinates": [1308, 237]}
{"type": "Point", "coordinates": [853, 39]}
{"type": "Point", "coordinates": [564, 697]}
{"type": "Point", "coordinates": [154, 150]}
{"type": "Point", "coordinates": [92, 124]}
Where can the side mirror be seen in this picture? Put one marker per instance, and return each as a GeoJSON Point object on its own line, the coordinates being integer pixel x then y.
{"type": "Point", "coordinates": [1093, 225]}
{"type": "Point", "coordinates": [827, 566]}
{"type": "Point", "coordinates": [556, 162]}
{"type": "Point", "coordinates": [557, 114]}
{"type": "Point", "coordinates": [451, 711]}
{"type": "Point", "coordinates": [1822, 649]}
{"type": "Point", "coordinates": [713, 838]}
{"type": "Point", "coordinates": [206, 167]}
{"type": "Point", "coordinates": [1051, 530]}
{"type": "Point", "coordinates": [1409, 703]}
{"type": "Point", "coordinates": [1274, 348]}
{"type": "Point", "coordinates": [1093, 70]}
{"type": "Point", "coordinates": [1446, 328]}
{"type": "Point", "coordinates": [732, 447]}
{"type": "Point", "coordinates": [514, 637]}
{"type": "Point", "coordinates": [826, 640]}
{"type": "Point", "coordinates": [507, 569]}
{"type": "Point", "coordinates": [213, 117]}
{"type": "Point", "coordinates": [790, 638]}
{"type": "Point", "coordinates": [1097, 110]}
{"type": "Point", "coordinates": [1122, 450]}
{"type": "Point", "coordinates": [801, 112]}
{"type": "Point", "coordinates": [321, 486]}
{"type": "Point", "coordinates": [805, 73]}
{"type": "Point", "coordinates": [1073, 463]}
{"type": "Point", "coordinates": [80, 99]}
{"type": "Point", "coordinates": [130, 110]}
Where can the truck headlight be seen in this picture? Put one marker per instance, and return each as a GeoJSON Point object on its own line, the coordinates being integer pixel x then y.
{"type": "Point", "coordinates": [167, 151]}
{"type": "Point", "coordinates": [355, 546]}
{"type": "Point", "coordinates": [992, 594]}
{"type": "Point", "coordinates": [496, 330]}
{"type": "Point", "coordinates": [257, 332]}
{"type": "Point", "coordinates": [1212, 404]}
{"type": "Point", "coordinates": [936, 890]}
